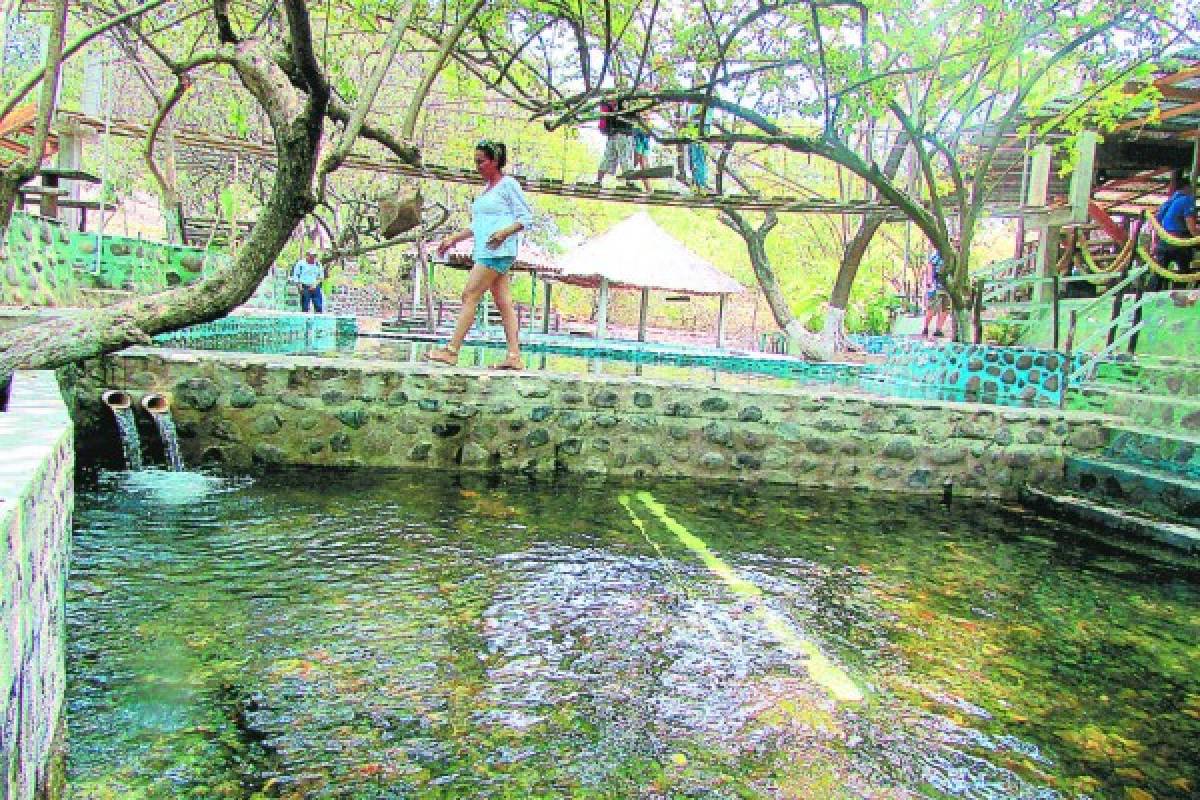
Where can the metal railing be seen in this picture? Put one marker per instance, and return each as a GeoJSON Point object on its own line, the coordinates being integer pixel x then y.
{"type": "Point", "coordinates": [1124, 324]}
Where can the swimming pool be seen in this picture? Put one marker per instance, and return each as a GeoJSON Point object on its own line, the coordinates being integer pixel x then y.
{"type": "Point", "coordinates": [384, 635]}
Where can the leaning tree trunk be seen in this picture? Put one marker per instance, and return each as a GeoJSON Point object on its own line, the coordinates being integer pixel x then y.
{"type": "Point", "coordinates": [295, 118]}
{"type": "Point", "coordinates": [839, 299]}
{"type": "Point", "coordinates": [809, 345]}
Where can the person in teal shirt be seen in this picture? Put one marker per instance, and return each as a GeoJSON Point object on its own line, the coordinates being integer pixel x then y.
{"type": "Point", "coordinates": [497, 217]}
{"type": "Point", "coordinates": [308, 274]}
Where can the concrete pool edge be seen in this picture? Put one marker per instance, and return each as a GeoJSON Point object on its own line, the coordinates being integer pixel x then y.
{"type": "Point", "coordinates": [253, 410]}
{"type": "Point", "coordinates": [36, 497]}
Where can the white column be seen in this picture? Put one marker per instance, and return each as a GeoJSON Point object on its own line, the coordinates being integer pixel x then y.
{"type": "Point", "coordinates": [1081, 178]}
{"type": "Point", "coordinates": [642, 315]}
{"type": "Point", "coordinates": [602, 311]}
{"type": "Point", "coordinates": [721, 323]}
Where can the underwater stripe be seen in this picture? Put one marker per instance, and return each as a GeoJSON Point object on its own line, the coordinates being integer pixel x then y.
{"type": "Point", "coordinates": [823, 671]}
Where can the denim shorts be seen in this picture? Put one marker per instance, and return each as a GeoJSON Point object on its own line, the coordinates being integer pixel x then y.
{"type": "Point", "coordinates": [499, 264]}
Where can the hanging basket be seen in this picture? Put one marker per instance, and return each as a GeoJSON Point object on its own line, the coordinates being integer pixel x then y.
{"type": "Point", "coordinates": [401, 213]}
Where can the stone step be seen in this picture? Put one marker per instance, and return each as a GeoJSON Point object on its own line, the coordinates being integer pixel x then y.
{"type": "Point", "coordinates": [1115, 519]}
{"type": "Point", "coordinates": [1161, 411]}
{"type": "Point", "coordinates": [1178, 453]}
{"type": "Point", "coordinates": [1154, 491]}
{"type": "Point", "coordinates": [1174, 377]}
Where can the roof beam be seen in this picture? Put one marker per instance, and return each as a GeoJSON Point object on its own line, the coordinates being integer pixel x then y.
{"type": "Point", "coordinates": [1170, 113]}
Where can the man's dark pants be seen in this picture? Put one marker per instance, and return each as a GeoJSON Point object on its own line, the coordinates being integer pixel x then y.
{"type": "Point", "coordinates": [1177, 258]}
{"type": "Point", "coordinates": [313, 296]}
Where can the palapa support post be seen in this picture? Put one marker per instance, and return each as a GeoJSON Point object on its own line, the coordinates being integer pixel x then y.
{"type": "Point", "coordinates": [602, 311]}
{"type": "Point", "coordinates": [721, 322]}
{"type": "Point", "coordinates": [546, 307]}
{"type": "Point", "coordinates": [645, 306]}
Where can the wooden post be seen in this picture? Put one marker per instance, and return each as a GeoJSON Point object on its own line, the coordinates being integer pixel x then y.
{"type": "Point", "coordinates": [642, 314]}
{"type": "Point", "coordinates": [1137, 314]}
{"type": "Point", "coordinates": [429, 323]}
{"type": "Point", "coordinates": [1054, 310]}
{"type": "Point", "coordinates": [532, 301]}
{"type": "Point", "coordinates": [721, 322]}
{"type": "Point", "coordinates": [602, 310]}
{"type": "Point", "coordinates": [1081, 179]}
{"type": "Point", "coordinates": [1116, 308]}
{"type": "Point", "coordinates": [977, 312]}
{"type": "Point", "coordinates": [546, 306]}
{"type": "Point", "coordinates": [1065, 375]}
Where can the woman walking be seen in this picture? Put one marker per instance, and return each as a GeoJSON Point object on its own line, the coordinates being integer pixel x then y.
{"type": "Point", "coordinates": [497, 216]}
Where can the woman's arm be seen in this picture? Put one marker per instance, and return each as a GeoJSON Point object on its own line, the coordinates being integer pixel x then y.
{"type": "Point", "coordinates": [449, 241]}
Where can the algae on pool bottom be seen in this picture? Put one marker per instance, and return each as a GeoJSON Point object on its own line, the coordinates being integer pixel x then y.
{"type": "Point", "coordinates": [380, 636]}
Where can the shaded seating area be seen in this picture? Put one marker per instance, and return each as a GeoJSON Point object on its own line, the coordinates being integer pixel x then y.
{"type": "Point", "coordinates": [637, 254]}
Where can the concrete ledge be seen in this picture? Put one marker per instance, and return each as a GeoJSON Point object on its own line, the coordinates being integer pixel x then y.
{"type": "Point", "coordinates": [247, 410]}
{"type": "Point", "coordinates": [36, 492]}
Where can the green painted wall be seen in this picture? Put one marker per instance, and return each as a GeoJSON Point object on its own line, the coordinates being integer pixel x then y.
{"type": "Point", "coordinates": [1172, 325]}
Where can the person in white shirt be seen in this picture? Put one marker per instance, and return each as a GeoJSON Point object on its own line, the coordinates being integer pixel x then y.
{"type": "Point", "coordinates": [308, 274]}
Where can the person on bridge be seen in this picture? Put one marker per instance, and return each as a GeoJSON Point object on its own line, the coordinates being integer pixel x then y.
{"type": "Point", "coordinates": [497, 217]}
{"type": "Point", "coordinates": [308, 274]}
{"type": "Point", "coordinates": [1178, 218]}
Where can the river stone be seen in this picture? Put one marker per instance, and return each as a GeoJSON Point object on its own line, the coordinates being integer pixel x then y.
{"type": "Point", "coordinates": [830, 425]}
{"type": "Point", "coordinates": [643, 422]}
{"type": "Point", "coordinates": [679, 433]}
{"type": "Point", "coordinates": [197, 393]}
{"type": "Point", "coordinates": [1003, 437]}
{"type": "Point", "coordinates": [1034, 436]}
{"type": "Point", "coordinates": [309, 422]}
{"type": "Point", "coordinates": [429, 404]}
{"type": "Point", "coordinates": [191, 262]}
{"type": "Point", "coordinates": [352, 417]}
{"type": "Point", "coordinates": [790, 432]}
{"type": "Point", "coordinates": [605, 399]}
{"type": "Point", "coordinates": [334, 397]}
{"type": "Point", "coordinates": [570, 420]}
{"type": "Point", "coordinates": [570, 447]}
{"type": "Point", "coordinates": [464, 411]}
{"type": "Point", "coordinates": [944, 456]}
{"type": "Point", "coordinates": [446, 430]}
{"type": "Point", "coordinates": [243, 396]}
{"type": "Point", "coordinates": [643, 399]}
{"type": "Point", "coordinates": [886, 473]}
{"type": "Point", "coordinates": [572, 398]}
{"type": "Point", "coordinates": [646, 455]}
{"type": "Point", "coordinates": [900, 449]}
{"type": "Point", "coordinates": [1191, 421]}
{"type": "Point", "coordinates": [420, 452]}
{"type": "Point", "coordinates": [679, 410]}
{"type": "Point", "coordinates": [1024, 361]}
{"type": "Point", "coordinates": [712, 460]}
{"type": "Point", "coordinates": [267, 454]}
{"type": "Point", "coordinates": [472, 454]}
{"type": "Point", "coordinates": [1009, 376]}
{"type": "Point", "coordinates": [119, 249]}
{"type": "Point", "coordinates": [397, 398]}
{"type": "Point", "coordinates": [537, 437]}
{"type": "Point", "coordinates": [851, 447]}
{"type": "Point", "coordinates": [532, 390]}
{"type": "Point", "coordinates": [601, 444]}
{"type": "Point", "coordinates": [606, 421]}
{"type": "Point", "coordinates": [316, 446]}
{"type": "Point", "coordinates": [268, 423]}
{"type": "Point", "coordinates": [516, 424]}
{"type": "Point", "coordinates": [753, 441]}
{"type": "Point", "coordinates": [818, 445]}
{"type": "Point", "coordinates": [540, 413]}
{"type": "Point", "coordinates": [719, 433]}
{"type": "Point", "coordinates": [919, 479]}
{"type": "Point", "coordinates": [750, 414]}
{"type": "Point", "coordinates": [293, 400]}
{"type": "Point", "coordinates": [714, 404]}
{"type": "Point", "coordinates": [747, 461]}
{"type": "Point", "coordinates": [1087, 438]}
{"type": "Point", "coordinates": [1019, 459]}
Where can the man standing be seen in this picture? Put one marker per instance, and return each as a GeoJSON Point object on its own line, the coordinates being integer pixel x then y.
{"type": "Point", "coordinates": [1178, 218]}
{"type": "Point", "coordinates": [618, 144]}
{"type": "Point", "coordinates": [937, 299]}
{"type": "Point", "coordinates": [308, 274]}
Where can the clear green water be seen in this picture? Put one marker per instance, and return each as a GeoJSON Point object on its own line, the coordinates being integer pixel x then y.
{"type": "Point", "coordinates": [365, 635]}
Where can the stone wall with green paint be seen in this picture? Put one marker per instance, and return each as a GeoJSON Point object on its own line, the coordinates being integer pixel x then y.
{"type": "Point", "coordinates": [1172, 325]}
{"type": "Point", "coordinates": [36, 489]}
{"type": "Point", "coordinates": [44, 264]}
{"type": "Point", "coordinates": [254, 411]}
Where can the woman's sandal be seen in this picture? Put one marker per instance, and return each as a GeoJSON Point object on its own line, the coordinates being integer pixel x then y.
{"type": "Point", "coordinates": [513, 363]}
{"type": "Point", "coordinates": [443, 355]}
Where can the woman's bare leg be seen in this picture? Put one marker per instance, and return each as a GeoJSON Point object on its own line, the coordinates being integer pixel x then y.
{"type": "Point", "coordinates": [502, 294]}
{"type": "Point", "coordinates": [478, 281]}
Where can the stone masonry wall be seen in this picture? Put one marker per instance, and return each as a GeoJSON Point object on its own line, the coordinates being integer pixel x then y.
{"type": "Point", "coordinates": [36, 495]}
{"type": "Point", "coordinates": [245, 410]}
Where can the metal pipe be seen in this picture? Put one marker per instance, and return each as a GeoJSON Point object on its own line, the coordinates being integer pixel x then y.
{"type": "Point", "coordinates": [114, 398]}
{"type": "Point", "coordinates": [156, 403]}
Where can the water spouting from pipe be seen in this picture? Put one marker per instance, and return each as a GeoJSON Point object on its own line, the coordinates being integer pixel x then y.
{"type": "Point", "coordinates": [159, 408]}
{"type": "Point", "coordinates": [121, 406]}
